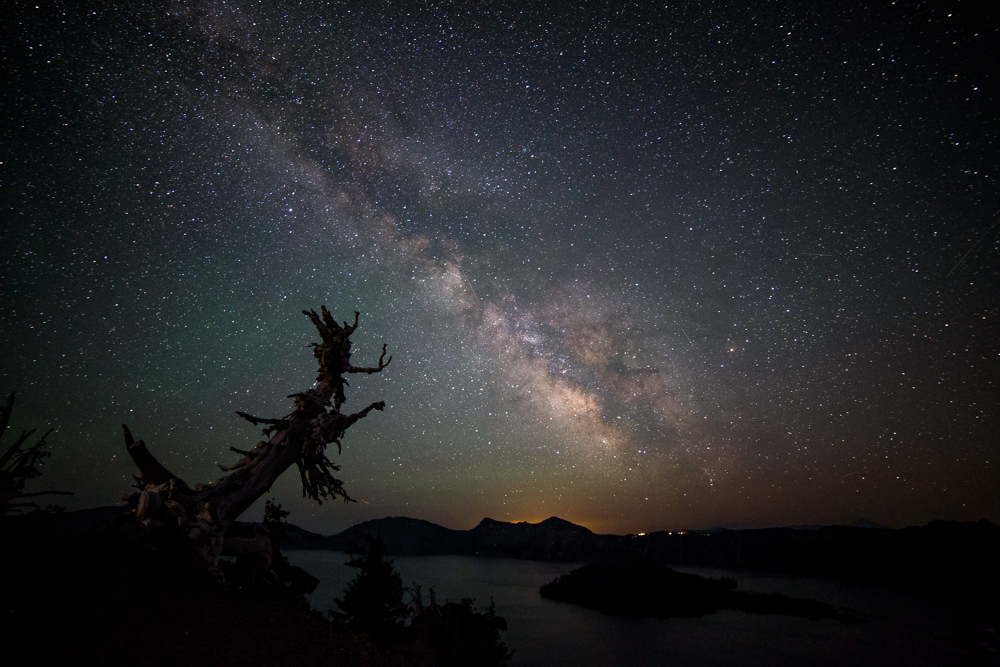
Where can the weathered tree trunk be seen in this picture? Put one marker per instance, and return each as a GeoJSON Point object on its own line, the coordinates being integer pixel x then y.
{"type": "Point", "coordinates": [199, 516]}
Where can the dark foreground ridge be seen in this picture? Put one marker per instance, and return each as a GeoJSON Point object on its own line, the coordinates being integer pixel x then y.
{"type": "Point", "coordinates": [76, 598]}
{"type": "Point", "coordinates": [78, 589]}
{"type": "Point", "coordinates": [630, 585]}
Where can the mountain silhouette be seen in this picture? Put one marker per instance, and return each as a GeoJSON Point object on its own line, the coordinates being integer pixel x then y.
{"type": "Point", "coordinates": [552, 539]}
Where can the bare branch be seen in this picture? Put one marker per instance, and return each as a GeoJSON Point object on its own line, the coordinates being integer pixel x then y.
{"type": "Point", "coordinates": [247, 458]}
{"type": "Point", "coordinates": [18, 465]}
{"type": "Point", "coordinates": [256, 421]}
{"type": "Point", "coordinates": [318, 481]}
{"type": "Point", "coordinates": [380, 406]}
{"type": "Point", "coordinates": [24, 460]}
{"type": "Point", "coordinates": [152, 470]}
{"type": "Point", "coordinates": [369, 369]}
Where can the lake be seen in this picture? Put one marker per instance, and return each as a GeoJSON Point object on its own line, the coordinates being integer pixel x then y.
{"type": "Point", "coordinates": [901, 629]}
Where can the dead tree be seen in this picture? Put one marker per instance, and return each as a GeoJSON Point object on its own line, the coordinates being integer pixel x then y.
{"type": "Point", "coordinates": [198, 516]}
{"type": "Point", "coordinates": [19, 464]}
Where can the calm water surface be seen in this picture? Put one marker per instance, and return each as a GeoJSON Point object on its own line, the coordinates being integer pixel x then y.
{"type": "Point", "coordinates": [901, 629]}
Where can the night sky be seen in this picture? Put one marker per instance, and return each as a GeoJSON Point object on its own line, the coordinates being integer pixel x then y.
{"type": "Point", "coordinates": [639, 266]}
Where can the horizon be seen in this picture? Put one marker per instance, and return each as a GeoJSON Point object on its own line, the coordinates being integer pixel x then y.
{"type": "Point", "coordinates": [693, 266]}
{"type": "Point", "coordinates": [681, 530]}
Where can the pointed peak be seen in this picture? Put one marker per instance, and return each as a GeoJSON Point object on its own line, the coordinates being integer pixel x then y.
{"type": "Point", "coordinates": [555, 523]}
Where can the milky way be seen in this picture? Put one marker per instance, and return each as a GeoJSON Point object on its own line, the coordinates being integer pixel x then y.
{"type": "Point", "coordinates": [638, 267]}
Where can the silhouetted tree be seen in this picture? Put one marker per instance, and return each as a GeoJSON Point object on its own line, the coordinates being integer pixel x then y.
{"type": "Point", "coordinates": [295, 580]}
{"type": "Point", "coordinates": [197, 517]}
{"type": "Point", "coordinates": [19, 464]}
{"type": "Point", "coordinates": [274, 521]}
{"type": "Point", "coordinates": [373, 601]}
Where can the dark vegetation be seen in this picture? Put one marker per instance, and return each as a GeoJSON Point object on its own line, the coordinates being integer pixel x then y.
{"type": "Point", "coordinates": [452, 634]}
{"type": "Point", "coordinates": [100, 599]}
{"type": "Point", "coordinates": [458, 636]}
{"type": "Point", "coordinates": [271, 568]}
{"type": "Point", "coordinates": [296, 580]}
{"type": "Point", "coordinates": [631, 585]}
{"type": "Point", "coordinates": [373, 601]}
{"type": "Point", "coordinates": [85, 591]}
{"type": "Point", "coordinates": [19, 463]}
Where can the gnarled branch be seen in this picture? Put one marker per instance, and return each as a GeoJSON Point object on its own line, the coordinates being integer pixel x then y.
{"type": "Point", "coordinates": [369, 369]}
{"type": "Point", "coordinates": [152, 470]}
{"type": "Point", "coordinates": [299, 438]}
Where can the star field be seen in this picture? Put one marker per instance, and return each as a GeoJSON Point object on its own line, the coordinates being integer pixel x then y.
{"type": "Point", "coordinates": [642, 267]}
